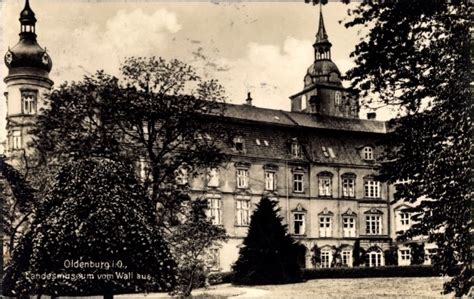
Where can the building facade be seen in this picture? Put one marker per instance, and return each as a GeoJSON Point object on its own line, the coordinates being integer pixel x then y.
{"type": "Point", "coordinates": [318, 161]}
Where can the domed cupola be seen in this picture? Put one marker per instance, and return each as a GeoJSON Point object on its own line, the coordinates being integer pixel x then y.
{"type": "Point", "coordinates": [323, 70]}
{"type": "Point", "coordinates": [27, 53]}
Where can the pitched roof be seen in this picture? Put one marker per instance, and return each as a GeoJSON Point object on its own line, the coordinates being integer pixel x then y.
{"type": "Point", "coordinates": [247, 113]}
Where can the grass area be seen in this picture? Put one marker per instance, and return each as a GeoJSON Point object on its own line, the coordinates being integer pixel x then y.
{"type": "Point", "coordinates": [420, 287]}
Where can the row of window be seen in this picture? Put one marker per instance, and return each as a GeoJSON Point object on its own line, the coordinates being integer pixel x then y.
{"type": "Point", "coordinates": [372, 188]}
{"type": "Point", "coordinates": [373, 225]}
{"type": "Point", "coordinates": [326, 223]}
{"type": "Point", "coordinates": [296, 149]}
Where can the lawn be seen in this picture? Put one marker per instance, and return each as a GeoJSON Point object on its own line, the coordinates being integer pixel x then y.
{"type": "Point", "coordinates": [422, 287]}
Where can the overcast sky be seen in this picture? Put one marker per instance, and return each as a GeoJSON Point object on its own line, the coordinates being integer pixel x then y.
{"type": "Point", "coordinates": [261, 47]}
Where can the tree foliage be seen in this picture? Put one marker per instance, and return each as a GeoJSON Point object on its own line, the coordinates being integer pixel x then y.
{"type": "Point", "coordinates": [191, 243]}
{"type": "Point", "coordinates": [416, 58]}
{"type": "Point", "coordinates": [95, 212]}
{"type": "Point", "coordinates": [157, 114]}
{"type": "Point", "coordinates": [18, 202]}
{"type": "Point", "coordinates": [269, 254]}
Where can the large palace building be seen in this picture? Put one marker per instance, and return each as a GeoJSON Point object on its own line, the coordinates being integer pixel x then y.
{"type": "Point", "coordinates": [318, 161]}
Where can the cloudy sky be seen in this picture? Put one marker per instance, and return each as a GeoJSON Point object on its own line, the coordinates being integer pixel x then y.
{"type": "Point", "coordinates": [261, 47]}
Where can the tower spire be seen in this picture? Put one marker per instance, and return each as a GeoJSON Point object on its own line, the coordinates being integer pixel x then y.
{"type": "Point", "coordinates": [27, 21]}
{"type": "Point", "coordinates": [321, 35]}
{"type": "Point", "coordinates": [322, 46]}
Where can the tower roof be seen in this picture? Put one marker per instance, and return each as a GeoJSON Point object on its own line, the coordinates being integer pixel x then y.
{"type": "Point", "coordinates": [27, 15]}
{"type": "Point", "coordinates": [321, 36]}
{"type": "Point", "coordinates": [27, 53]}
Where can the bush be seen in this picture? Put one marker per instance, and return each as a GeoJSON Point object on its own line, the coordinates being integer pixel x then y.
{"type": "Point", "coordinates": [220, 277]}
{"type": "Point", "coordinates": [364, 272]}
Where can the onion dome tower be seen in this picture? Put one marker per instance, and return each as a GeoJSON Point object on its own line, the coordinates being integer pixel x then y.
{"type": "Point", "coordinates": [323, 93]}
{"type": "Point", "coordinates": [27, 83]}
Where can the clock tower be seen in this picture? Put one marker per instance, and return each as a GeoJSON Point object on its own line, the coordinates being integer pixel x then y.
{"type": "Point", "coordinates": [323, 93]}
{"type": "Point", "coordinates": [27, 83]}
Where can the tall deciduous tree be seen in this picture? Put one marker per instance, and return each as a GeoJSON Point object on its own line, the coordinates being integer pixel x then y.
{"type": "Point", "coordinates": [94, 234]}
{"type": "Point", "coordinates": [269, 254]}
{"type": "Point", "coordinates": [156, 115]}
{"type": "Point", "coordinates": [416, 58]}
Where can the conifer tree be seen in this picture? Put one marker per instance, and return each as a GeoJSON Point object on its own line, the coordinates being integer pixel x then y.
{"type": "Point", "coordinates": [269, 254]}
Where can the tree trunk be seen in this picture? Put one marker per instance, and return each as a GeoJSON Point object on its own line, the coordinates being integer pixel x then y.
{"type": "Point", "coordinates": [109, 296]}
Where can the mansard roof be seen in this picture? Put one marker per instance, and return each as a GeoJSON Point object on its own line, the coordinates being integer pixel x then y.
{"type": "Point", "coordinates": [323, 139]}
{"type": "Point", "coordinates": [247, 113]}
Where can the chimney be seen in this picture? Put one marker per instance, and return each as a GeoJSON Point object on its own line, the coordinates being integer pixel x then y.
{"type": "Point", "coordinates": [371, 115]}
{"type": "Point", "coordinates": [248, 100]}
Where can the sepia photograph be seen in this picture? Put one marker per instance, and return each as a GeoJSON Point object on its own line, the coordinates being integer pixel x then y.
{"type": "Point", "coordinates": [236, 149]}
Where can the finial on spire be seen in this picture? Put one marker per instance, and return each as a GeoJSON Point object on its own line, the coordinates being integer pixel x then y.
{"type": "Point", "coordinates": [322, 46]}
{"type": "Point", "coordinates": [321, 35]}
{"type": "Point", "coordinates": [28, 21]}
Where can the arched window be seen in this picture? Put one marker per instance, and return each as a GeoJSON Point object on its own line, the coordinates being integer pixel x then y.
{"type": "Point", "coordinates": [374, 257]}
{"type": "Point", "coordinates": [326, 257]}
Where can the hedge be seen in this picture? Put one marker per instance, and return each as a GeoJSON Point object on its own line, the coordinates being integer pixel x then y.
{"type": "Point", "coordinates": [354, 272]}
{"type": "Point", "coordinates": [362, 272]}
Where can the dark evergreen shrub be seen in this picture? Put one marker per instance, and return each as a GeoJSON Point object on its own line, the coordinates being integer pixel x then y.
{"type": "Point", "coordinates": [417, 253]}
{"type": "Point", "coordinates": [269, 254]}
{"type": "Point", "coordinates": [391, 256]}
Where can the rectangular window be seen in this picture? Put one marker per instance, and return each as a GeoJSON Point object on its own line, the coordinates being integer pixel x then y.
{"type": "Point", "coordinates": [28, 99]}
{"type": "Point", "coordinates": [348, 187]}
{"type": "Point", "coordinates": [213, 178]}
{"type": "Point", "coordinates": [373, 224]}
{"type": "Point", "coordinates": [348, 227]}
{"type": "Point", "coordinates": [374, 259]}
{"type": "Point", "coordinates": [243, 212]}
{"type": "Point", "coordinates": [346, 256]}
{"type": "Point", "coordinates": [296, 150]}
{"type": "Point", "coordinates": [325, 229]}
{"type": "Point", "coordinates": [15, 140]}
{"type": "Point", "coordinates": [242, 178]}
{"type": "Point", "coordinates": [404, 219]}
{"type": "Point", "coordinates": [372, 189]}
{"type": "Point", "coordinates": [214, 210]}
{"type": "Point", "coordinates": [143, 169]}
{"type": "Point", "coordinates": [297, 182]}
{"type": "Point", "coordinates": [299, 223]}
{"type": "Point", "coordinates": [214, 259]}
{"type": "Point", "coordinates": [325, 188]}
{"type": "Point", "coordinates": [270, 180]}
{"type": "Point", "coordinates": [405, 254]}
{"type": "Point", "coordinates": [368, 153]}
{"type": "Point", "coordinates": [257, 141]}
{"type": "Point", "coordinates": [325, 259]}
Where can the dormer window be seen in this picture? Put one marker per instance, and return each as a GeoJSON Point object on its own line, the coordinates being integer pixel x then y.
{"type": "Point", "coordinates": [368, 153]}
{"type": "Point", "coordinates": [238, 143]}
{"type": "Point", "coordinates": [296, 149]}
{"type": "Point", "coordinates": [328, 152]}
